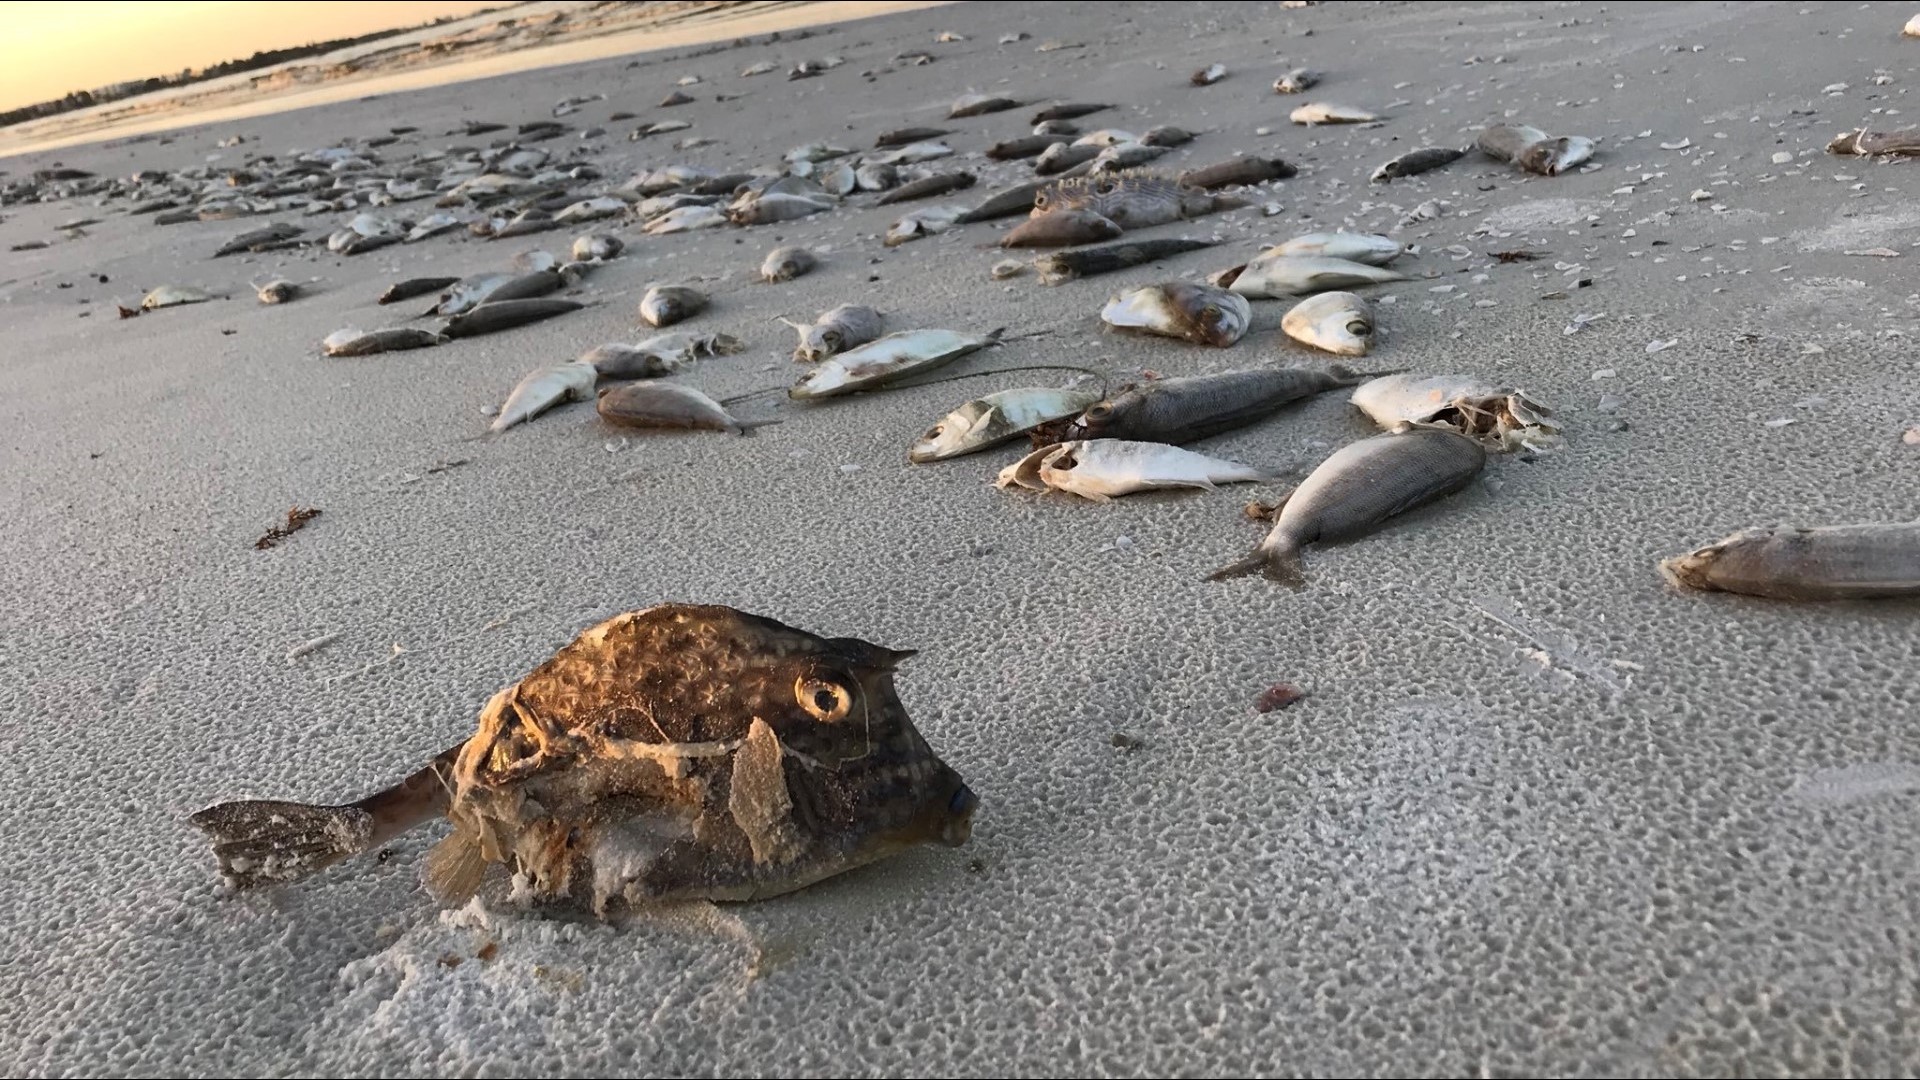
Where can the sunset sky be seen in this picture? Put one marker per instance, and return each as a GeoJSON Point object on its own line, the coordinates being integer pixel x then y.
{"type": "Point", "coordinates": [50, 49]}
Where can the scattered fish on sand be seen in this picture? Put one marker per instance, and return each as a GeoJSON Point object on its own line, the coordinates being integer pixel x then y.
{"type": "Point", "coordinates": [1103, 469]}
{"type": "Point", "coordinates": [1415, 162]}
{"type": "Point", "coordinates": [496, 315]}
{"type": "Point", "coordinates": [887, 360]}
{"type": "Point", "coordinates": [668, 405]}
{"type": "Point", "coordinates": [277, 290]}
{"type": "Point", "coordinates": [412, 287]}
{"type": "Point", "coordinates": [1533, 150]}
{"type": "Point", "coordinates": [1239, 172]}
{"type": "Point", "coordinates": [1500, 416]}
{"type": "Point", "coordinates": [1066, 111]}
{"type": "Point", "coordinates": [1062, 266]}
{"type": "Point", "coordinates": [686, 219]}
{"type": "Point", "coordinates": [544, 389]}
{"type": "Point", "coordinates": [1297, 81]}
{"type": "Point", "coordinates": [1357, 489]}
{"type": "Point", "coordinates": [1177, 309]}
{"type": "Point", "coordinates": [1280, 276]}
{"type": "Point", "coordinates": [468, 293]}
{"type": "Point", "coordinates": [837, 329]}
{"type": "Point", "coordinates": [997, 418]}
{"type": "Point", "coordinates": [1194, 407]}
{"type": "Point", "coordinates": [1007, 203]}
{"type": "Point", "coordinates": [1867, 143]}
{"type": "Point", "coordinates": [1370, 248]}
{"type": "Point", "coordinates": [1828, 562]}
{"type": "Point", "coordinates": [586, 798]}
{"type": "Point", "coordinates": [368, 342]}
{"type": "Point", "coordinates": [898, 137]}
{"type": "Point", "coordinates": [1322, 112]}
{"type": "Point", "coordinates": [661, 354]}
{"type": "Point", "coordinates": [1026, 146]}
{"type": "Point", "coordinates": [1208, 75]}
{"type": "Point", "coordinates": [664, 305]}
{"type": "Point", "coordinates": [1337, 322]}
{"type": "Point", "coordinates": [785, 264]}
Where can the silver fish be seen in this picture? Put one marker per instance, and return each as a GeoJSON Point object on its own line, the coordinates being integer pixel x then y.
{"type": "Point", "coordinates": [1356, 489]}
{"type": "Point", "coordinates": [433, 225]}
{"type": "Point", "coordinates": [366, 343]}
{"type": "Point", "coordinates": [895, 356]}
{"type": "Point", "coordinates": [785, 264]}
{"type": "Point", "coordinates": [664, 305]}
{"type": "Point", "coordinates": [774, 207]}
{"type": "Point", "coordinates": [267, 236]}
{"type": "Point", "coordinates": [1194, 407]}
{"type": "Point", "coordinates": [997, 418]}
{"type": "Point", "coordinates": [543, 389]}
{"type": "Point", "coordinates": [1297, 81]}
{"type": "Point", "coordinates": [1062, 228]}
{"type": "Point", "coordinates": [979, 105]}
{"type": "Point", "coordinates": [1534, 150]}
{"type": "Point", "coordinates": [848, 326]}
{"type": "Point", "coordinates": [532, 262]}
{"type": "Point", "coordinates": [1370, 248]}
{"type": "Point", "coordinates": [661, 354]}
{"type": "Point", "coordinates": [666, 405]}
{"type": "Point", "coordinates": [1101, 469]}
{"type": "Point", "coordinates": [912, 154]}
{"type": "Point", "coordinates": [1283, 276]}
{"type": "Point", "coordinates": [842, 179]}
{"type": "Point", "coordinates": [1500, 416]}
{"type": "Point", "coordinates": [469, 293]}
{"type": "Point", "coordinates": [1198, 313]}
{"type": "Point", "coordinates": [597, 247]}
{"type": "Point", "coordinates": [174, 296]}
{"type": "Point", "coordinates": [1322, 112]}
{"type": "Point", "coordinates": [1337, 322]}
{"type": "Point", "coordinates": [1828, 562]}
{"type": "Point", "coordinates": [924, 222]}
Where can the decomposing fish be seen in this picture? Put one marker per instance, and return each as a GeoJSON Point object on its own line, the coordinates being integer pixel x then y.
{"type": "Point", "coordinates": [1356, 489]}
{"type": "Point", "coordinates": [661, 354]}
{"type": "Point", "coordinates": [268, 236]}
{"type": "Point", "coordinates": [533, 262]}
{"type": "Point", "coordinates": [1322, 112]}
{"type": "Point", "coordinates": [997, 418]}
{"type": "Point", "coordinates": [980, 105]}
{"type": "Point", "coordinates": [1534, 150]}
{"type": "Point", "coordinates": [1297, 81]}
{"type": "Point", "coordinates": [544, 388]}
{"type": "Point", "coordinates": [676, 753]}
{"type": "Point", "coordinates": [1102, 469]}
{"type": "Point", "coordinates": [1063, 266]}
{"type": "Point", "coordinates": [277, 290]}
{"type": "Point", "coordinates": [785, 264]}
{"type": "Point", "coordinates": [1198, 313]}
{"type": "Point", "coordinates": [1061, 228]}
{"type": "Point", "coordinates": [505, 314]}
{"type": "Point", "coordinates": [760, 67]}
{"type": "Point", "coordinates": [845, 327]}
{"type": "Point", "coordinates": [1238, 172]}
{"type": "Point", "coordinates": [1122, 157]}
{"type": "Point", "coordinates": [676, 98]}
{"type": "Point", "coordinates": [1827, 562]}
{"type": "Point", "coordinates": [597, 247]}
{"type": "Point", "coordinates": [1415, 162]}
{"type": "Point", "coordinates": [412, 287]}
{"type": "Point", "coordinates": [1132, 200]}
{"type": "Point", "coordinates": [174, 296]}
{"type": "Point", "coordinates": [368, 342]}
{"type": "Point", "coordinates": [922, 223]}
{"type": "Point", "coordinates": [1277, 276]}
{"type": "Point", "coordinates": [664, 305]}
{"type": "Point", "coordinates": [1208, 75]}
{"type": "Point", "coordinates": [1194, 407]}
{"type": "Point", "coordinates": [898, 137]}
{"type": "Point", "coordinates": [1500, 416]}
{"type": "Point", "coordinates": [433, 225]}
{"type": "Point", "coordinates": [927, 187]}
{"type": "Point", "coordinates": [875, 176]}
{"type": "Point", "coordinates": [1014, 200]}
{"type": "Point", "coordinates": [668, 405]}
{"type": "Point", "coordinates": [1866, 143]}
{"type": "Point", "coordinates": [1337, 322]}
{"type": "Point", "coordinates": [1106, 137]}
{"type": "Point", "coordinates": [910, 352]}
{"type": "Point", "coordinates": [1066, 111]}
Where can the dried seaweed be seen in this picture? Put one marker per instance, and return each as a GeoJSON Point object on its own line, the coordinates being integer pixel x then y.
{"type": "Point", "coordinates": [297, 519]}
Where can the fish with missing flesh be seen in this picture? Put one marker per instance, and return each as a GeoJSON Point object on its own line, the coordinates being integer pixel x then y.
{"type": "Point", "coordinates": [675, 753]}
{"type": "Point", "coordinates": [1194, 407]}
{"type": "Point", "coordinates": [1866, 143]}
{"type": "Point", "coordinates": [923, 223]}
{"type": "Point", "coordinates": [1336, 322]}
{"type": "Point", "coordinates": [661, 354]}
{"type": "Point", "coordinates": [277, 290]}
{"type": "Point", "coordinates": [995, 419]}
{"type": "Point", "coordinates": [848, 326]}
{"type": "Point", "coordinates": [664, 305]}
{"type": "Point", "coordinates": [668, 405]}
{"type": "Point", "coordinates": [366, 343]}
{"type": "Point", "coordinates": [1103, 469]}
{"type": "Point", "coordinates": [1297, 81]}
{"type": "Point", "coordinates": [1501, 417]}
{"type": "Point", "coordinates": [889, 359]}
{"type": "Point", "coordinates": [597, 247]}
{"type": "Point", "coordinates": [1208, 75]}
{"type": "Point", "coordinates": [1826, 562]}
{"type": "Point", "coordinates": [1177, 309]}
{"type": "Point", "coordinates": [543, 389]}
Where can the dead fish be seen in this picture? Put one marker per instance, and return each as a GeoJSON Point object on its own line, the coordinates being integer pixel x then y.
{"type": "Point", "coordinates": [275, 290]}
{"type": "Point", "coordinates": [505, 314]}
{"type": "Point", "coordinates": [586, 798]}
{"type": "Point", "coordinates": [433, 225]}
{"type": "Point", "coordinates": [686, 219]}
{"type": "Point", "coordinates": [848, 326]}
{"type": "Point", "coordinates": [1060, 157]}
{"type": "Point", "coordinates": [661, 354]}
{"type": "Point", "coordinates": [997, 418]}
{"type": "Point", "coordinates": [1356, 489]}
{"type": "Point", "coordinates": [1106, 137]}
{"type": "Point", "coordinates": [543, 389]}
{"type": "Point", "coordinates": [1500, 416]}
{"type": "Point", "coordinates": [1166, 135]}
{"type": "Point", "coordinates": [923, 223]}
{"type": "Point", "coordinates": [597, 247]}
{"type": "Point", "coordinates": [911, 352]}
{"type": "Point", "coordinates": [600, 206]}
{"type": "Point", "coordinates": [913, 154]}
{"type": "Point", "coordinates": [412, 287]}
{"type": "Point", "coordinates": [1131, 200]}
{"type": "Point", "coordinates": [366, 343]}
{"type": "Point", "coordinates": [1063, 266]}
{"type": "Point", "coordinates": [525, 223]}
{"type": "Point", "coordinates": [776, 207]}
{"type": "Point", "coordinates": [1283, 275]}
{"type": "Point", "coordinates": [1370, 248]}
{"type": "Point", "coordinates": [1867, 143]}
{"type": "Point", "coordinates": [1123, 157]}
{"type": "Point", "coordinates": [815, 152]}
{"type": "Point", "coordinates": [675, 98]}
{"type": "Point", "coordinates": [1415, 162]}
{"type": "Point", "coordinates": [1066, 111]}
{"type": "Point", "coordinates": [1061, 228]}
{"type": "Point", "coordinates": [1337, 322]}
{"type": "Point", "coordinates": [1208, 75]}
{"type": "Point", "coordinates": [785, 264]}
{"type": "Point", "coordinates": [664, 305]}
{"type": "Point", "coordinates": [980, 105]}
{"type": "Point", "coordinates": [1014, 200]}
{"type": "Point", "coordinates": [659, 127]}
{"type": "Point", "coordinates": [1297, 81]}
{"type": "Point", "coordinates": [174, 296]}
{"type": "Point", "coordinates": [533, 262]}
{"type": "Point", "coordinates": [762, 67]}
{"type": "Point", "coordinates": [1321, 112]}
{"type": "Point", "coordinates": [469, 293]}
{"type": "Point", "coordinates": [888, 140]}
{"type": "Point", "coordinates": [1177, 309]}
{"type": "Point", "coordinates": [875, 177]}
{"type": "Point", "coordinates": [1015, 149]}
{"type": "Point", "coordinates": [260, 239]}
{"type": "Point", "coordinates": [1828, 562]}
{"type": "Point", "coordinates": [1240, 172]}
{"type": "Point", "coordinates": [1103, 469]}
{"type": "Point", "coordinates": [1534, 150]}
{"type": "Point", "coordinates": [1056, 129]}
{"type": "Point", "coordinates": [926, 188]}
{"type": "Point", "coordinates": [1194, 407]}
{"type": "Point", "coordinates": [666, 405]}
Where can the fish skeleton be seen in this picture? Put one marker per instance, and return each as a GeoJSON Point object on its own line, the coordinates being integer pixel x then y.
{"type": "Point", "coordinates": [1499, 416]}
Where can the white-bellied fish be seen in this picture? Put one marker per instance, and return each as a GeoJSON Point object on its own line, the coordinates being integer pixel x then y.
{"type": "Point", "coordinates": [661, 354]}
{"type": "Point", "coordinates": [1103, 469]}
{"type": "Point", "coordinates": [1177, 309]}
{"type": "Point", "coordinates": [1500, 416]}
{"type": "Point", "coordinates": [848, 326]}
{"type": "Point", "coordinates": [544, 389]}
{"type": "Point", "coordinates": [997, 418]}
{"type": "Point", "coordinates": [1337, 322]}
{"type": "Point", "coordinates": [1826, 562]}
{"type": "Point", "coordinates": [889, 359]}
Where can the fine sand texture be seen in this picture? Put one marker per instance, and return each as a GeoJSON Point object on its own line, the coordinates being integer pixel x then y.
{"type": "Point", "coordinates": [1538, 814]}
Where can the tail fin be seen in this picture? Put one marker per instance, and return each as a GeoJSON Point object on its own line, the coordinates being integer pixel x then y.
{"type": "Point", "coordinates": [1280, 565]}
{"type": "Point", "coordinates": [270, 843]}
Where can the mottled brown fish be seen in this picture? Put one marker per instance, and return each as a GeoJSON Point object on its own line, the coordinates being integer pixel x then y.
{"type": "Point", "coordinates": [1131, 200]}
{"type": "Point", "coordinates": [1238, 172]}
{"type": "Point", "coordinates": [927, 188]}
{"type": "Point", "coordinates": [1061, 228]}
{"type": "Point", "coordinates": [679, 752]}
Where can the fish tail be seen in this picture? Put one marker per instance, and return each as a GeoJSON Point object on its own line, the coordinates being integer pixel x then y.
{"type": "Point", "coordinates": [267, 843]}
{"type": "Point", "coordinates": [1277, 564]}
{"type": "Point", "coordinates": [455, 867]}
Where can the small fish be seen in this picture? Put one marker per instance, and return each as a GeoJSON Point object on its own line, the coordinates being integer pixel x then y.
{"type": "Point", "coordinates": [1166, 135]}
{"type": "Point", "coordinates": [366, 343]}
{"type": "Point", "coordinates": [1132, 200]}
{"type": "Point", "coordinates": [1012, 201]}
{"type": "Point", "coordinates": [1198, 313]}
{"type": "Point", "coordinates": [1415, 162]}
{"type": "Point", "coordinates": [260, 239]}
{"type": "Point", "coordinates": [923, 223]}
{"type": "Point", "coordinates": [1061, 228]}
{"type": "Point", "coordinates": [1337, 322]}
{"type": "Point", "coordinates": [980, 105]}
{"type": "Point", "coordinates": [686, 219]}
{"type": "Point", "coordinates": [1239, 172]}
{"type": "Point", "coordinates": [433, 225]}
{"type": "Point", "coordinates": [1370, 248]}
{"type": "Point", "coordinates": [875, 176]}
{"type": "Point", "coordinates": [1194, 407]}
{"type": "Point", "coordinates": [1499, 416]}
{"type": "Point", "coordinates": [1026, 146]}
{"type": "Point", "coordinates": [1106, 137]}
{"type": "Point", "coordinates": [898, 137]}
{"type": "Point", "coordinates": [1282, 276]}
{"type": "Point", "coordinates": [1321, 112]}
{"type": "Point", "coordinates": [775, 207]}
{"type": "Point", "coordinates": [1297, 81]}
{"type": "Point", "coordinates": [997, 418]}
{"type": "Point", "coordinates": [533, 262]}
{"type": "Point", "coordinates": [1056, 129]}
{"type": "Point", "coordinates": [815, 152]}
{"type": "Point", "coordinates": [412, 287]}
{"type": "Point", "coordinates": [667, 405]}
{"type": "Point", "coordinates": [1355, 490]}
{"type": "Point", "coordinates": [664, 305]}
{"type": "Point", "coordinates": [543, 389]}
{"type": "Point", "coordinates": [469, 293]}
{"type": "Point", "coordinates": [1102, 469]}
{"type": "Point", "coordinates": [762, 67]}
{"type": "Point", "coordinates": [676, 98]}
{"type": "Point", "coordinates": [661, 354]}
{"type": "Point", "coordinates": [1061, 157]}
{"type": "Point", "coordinates": [174, 296]}
{"type": "Point", "coordinates": [497, 315]}
{"type": "Point", "coordinates": [910, 352]}
{"type": "Point", "coordinates": [845, 327]}
{"type": "Point", "coordinates": [1827, 562]}
{"type": "Point", "coordinates": [1208, 75]}
{"type": "Point", "coordinates": [1063, 266]}
{"type": "Point", "coordinates": [597, 247]}
{"type": "Point", "coordinates": [275, 290]}
{"type": "Point", "coordinates": [938, 184]}
{"type": "Point", "coordinates": [600, 206]}
{"type": "Point", "coordinates": [1866, 143]}
{"type": "Point", "coordinates": [1534, 150]}
{"type": "Point", "coordinates": [1122, 157]}
{"type": "Point", "coordinates": [671, 754]}
{"type": "Point", "coordinates": [785, 264]}
{"type": "Point", "coordinates": [913, 154]}
{"type": "Point", "coordinates": [1067, 111]}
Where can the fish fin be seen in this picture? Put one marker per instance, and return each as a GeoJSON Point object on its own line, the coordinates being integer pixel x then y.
{"type": "Point", "coordinates": [262, 842]}
{"type": "Point", "coordinates": [455, 867]}
{"type": "Point", "coordinates": [1280, 565]}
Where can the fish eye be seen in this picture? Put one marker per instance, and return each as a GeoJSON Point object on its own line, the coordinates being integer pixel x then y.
{"type": "Point", "coordinates": [1104, 187]}
{"type": "Point", "coordinates": [1099, 413]}
{"type": "Point", "coordinates": [823, 700]}
{"type": "Point", "coordinates": [1040, 201]}
{"type": "Point", "coordinates": [1210, 313]}
{"type": "Point", "coordinates": [831, 337]}
{"type": "Point", "coordinates": [934, 432]}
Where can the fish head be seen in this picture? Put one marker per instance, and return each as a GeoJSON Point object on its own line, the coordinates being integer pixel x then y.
{"type": "Point", "coordinates": [823, 381]}
{"type": "Point", "coordinates": [951, 436]}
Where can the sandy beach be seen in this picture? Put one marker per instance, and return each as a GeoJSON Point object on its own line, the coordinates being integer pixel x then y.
{"type": "Point", "coordinates": [1540, 813]}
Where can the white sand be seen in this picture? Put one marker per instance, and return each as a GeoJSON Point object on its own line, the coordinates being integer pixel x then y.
{"type": "Point", "coordinates": [1447, 860]}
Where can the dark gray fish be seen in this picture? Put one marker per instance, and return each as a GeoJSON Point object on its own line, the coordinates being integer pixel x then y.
{"type": "Point", "coordinates": [1066, 112]}
{"type": "Point", "coordinates": [1014, 200]}
{"type": "Point", "coordinates": [1244, 170]}
{"type": "Point", "coordinates": [898, 137]}
{"type": "Point", "coordinates": [1060, 157]}
{"type": "Point", "coordinates": [259, 239]}
{"type": "Point", "coordinates": [980, 105]}
{"type": "Point", "coordinates": [1166, 135]}
{"type": "Point", "coordinates": [506, 314]}
{"type": "Point", "coordinates": [412, 287]}
{"type": "Point", "coordinates": [939, 184]}
{"type": "Point", "coordinates": [1024, 147]}
{"type": "Point", "coordinates": [1062, 228]}
{"type": "Point", "coordinates": [1415, 162]}
{"type": "Point", "coordinates": [1063, 266]}
{"type": "Point", "coordinates": [1195, 407]}
{"type": "Point", "coordinates": [1357, 489]}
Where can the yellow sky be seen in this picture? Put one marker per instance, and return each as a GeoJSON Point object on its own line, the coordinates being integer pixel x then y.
{"type": "Point", "coordinates": [48, 49]}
